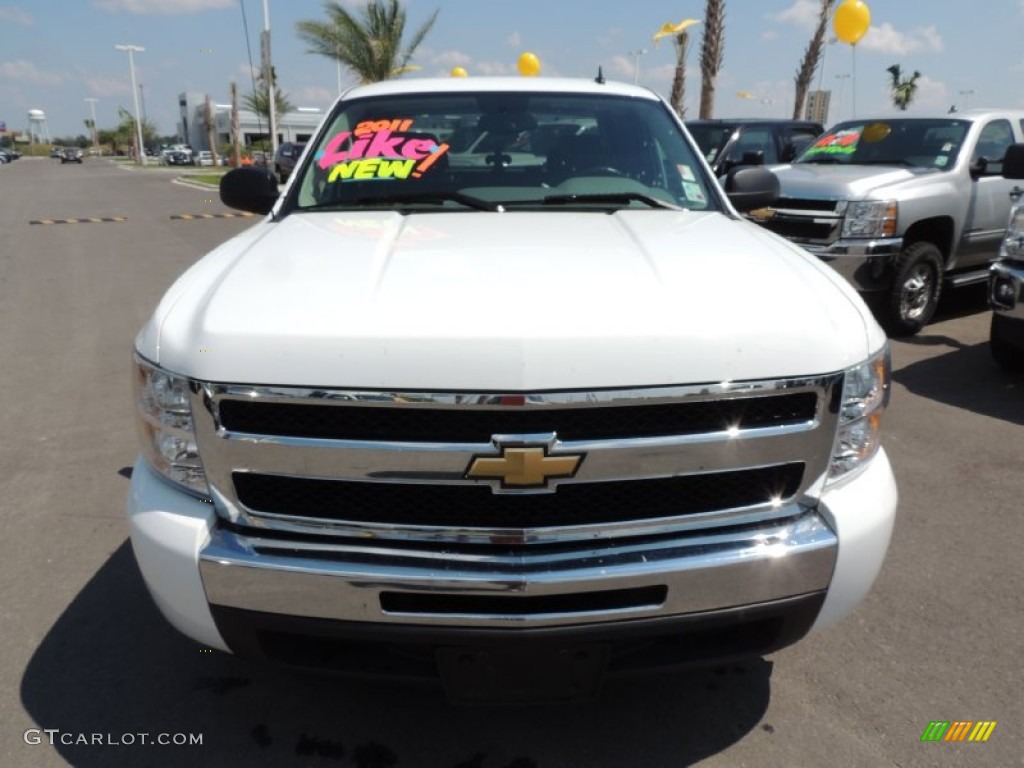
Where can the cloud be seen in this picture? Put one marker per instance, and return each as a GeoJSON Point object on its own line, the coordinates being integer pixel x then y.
{"type": "Point", "coordinates": [26, 72]}
{"type": "Point", "coordinates": [495, 68]}
{"type": "Point", "coordinates": [15, 14]}
{"type": "Point", "coordinates": [803, 13]}
{"type": "Point", "coordinates": [887, 39]}
{"type": "Point", "coordinates": [769, 34]}
{"type": "Point", "coordinates": [107, 86]}
{"type": "Point", "coordinates": [312, 95]}
{"type": "Point", "coordinates": [162, 7]}
{"type": "Point", "coordinates": [451, 59]}
{"type": "Point", "coordinates": [515, 40]}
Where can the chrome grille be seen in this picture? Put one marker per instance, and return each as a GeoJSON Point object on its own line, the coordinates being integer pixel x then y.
{"type": "Point", "coordinates": [807, 221]}
{"type": "Point", "coordinates": [658, 460]}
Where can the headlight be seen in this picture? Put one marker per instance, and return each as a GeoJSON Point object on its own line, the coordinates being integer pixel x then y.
{"type": "Point", "coordinates": [164, 418]}
{"type": "Point", "coordinates": [870, 218]}
{"type": "Point", "coordinates": [1013, 243]}
{"type": "Point", "coordinates": [865, 395]}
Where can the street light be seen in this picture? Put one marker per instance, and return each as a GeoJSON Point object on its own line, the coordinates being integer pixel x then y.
{"type": "Point", "coordinates": [965, 94]}
{"type": "Point", "coordinates": [95, 137]}
{"type": "Point", "coordinates": [141, 159]}
{"type": "Point", "coordinates": [636, 54]}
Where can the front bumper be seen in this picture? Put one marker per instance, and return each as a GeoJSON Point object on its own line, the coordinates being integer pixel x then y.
{"type": "Point", "coordinates": [209, 579]}
{"type": "Point", "coordinates": [866, 264]}
{"type": "Point", "coordinates": [1006, 289]}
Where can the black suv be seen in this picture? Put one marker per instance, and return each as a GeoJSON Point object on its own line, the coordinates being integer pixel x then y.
{"type": "Point", "coordinates": [284, 162]}
{"type": "Point", "coordinates": [727, 144]}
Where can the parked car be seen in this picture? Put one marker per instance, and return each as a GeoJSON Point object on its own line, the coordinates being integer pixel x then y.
{"type": "Point", "coordinates": [1006, 282]}
{"type": "Point", "coordinates": [727, 144]}
{"type": "Point", "coordinates": [56, 152]}
{"type": "Point", "coordinates": [287, 156]}
{"type": "Point", "coordinates": [203, 157]}
{"type": "Point", "coordinates": [176, 157]}
{"type": "Point", "coordinates": [567, 413]}
{"type": "Point", "coordinates": [901, 206]}
{"type": "Point", "coordinates": [71, 155]}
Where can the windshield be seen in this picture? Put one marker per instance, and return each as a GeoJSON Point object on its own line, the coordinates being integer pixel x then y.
{"type": "Point", "coordinates": [920, 143]}
{"type": "Point", "coordinates": [498, 151]}
{"type": "Point", "coordinates": [711, 138]}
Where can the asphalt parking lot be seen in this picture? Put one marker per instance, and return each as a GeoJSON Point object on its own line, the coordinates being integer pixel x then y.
{"type": "Point", "coordinates": [85, 652]}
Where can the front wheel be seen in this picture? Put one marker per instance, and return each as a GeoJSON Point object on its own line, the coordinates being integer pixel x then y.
{"type": "Point", "coordinates": [914, 293]}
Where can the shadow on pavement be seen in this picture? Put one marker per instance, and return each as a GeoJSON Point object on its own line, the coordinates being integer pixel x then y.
{"type": "Point", "coordinates": [112, 665]}
{"type": "Point", "coordinates": [965, 377]}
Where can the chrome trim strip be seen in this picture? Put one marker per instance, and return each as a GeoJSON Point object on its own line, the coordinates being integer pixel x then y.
{"type": "Point", "coordinates": [224, 453]}
{"type": "Point", "coordinates": [344, 581]}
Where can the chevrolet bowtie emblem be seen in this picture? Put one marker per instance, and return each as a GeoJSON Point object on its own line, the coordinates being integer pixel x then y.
{"type": "Point", "coordinates": [762, 214]}
{"type": "Point", "coordinates": [525, 467]}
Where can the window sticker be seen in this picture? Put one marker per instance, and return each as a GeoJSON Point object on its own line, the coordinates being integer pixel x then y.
{"type": "Point", "coordinates": [693, 192]}
{"type": "Point", "coordinates": [839, 143]}
{"type": "Point", "coordinates": [941, 161]}
{"type": "Point", "coordinates": [685, 172]}
{"type": "Point", "coordinates": [381, 150]}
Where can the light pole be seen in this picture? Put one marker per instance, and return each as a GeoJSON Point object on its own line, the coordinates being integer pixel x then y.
{"type": "Point", "coordinates": [839, 100]}
{"type": "Point", "coordinates": [141, 159]}
{"type": "Point", "coordinates": [636, 54]}
{"type": "Point", "coordinates": [965, 94]}
{"type": "Point", "coordinates": [268, 74]}
{"type": "Point", "coordinates": [95, 136]}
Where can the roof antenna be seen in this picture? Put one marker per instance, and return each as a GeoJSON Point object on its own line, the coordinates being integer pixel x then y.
{"type": "Point", "coordinates": [600, 76]}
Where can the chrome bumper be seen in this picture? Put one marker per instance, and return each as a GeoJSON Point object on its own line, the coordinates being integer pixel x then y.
{"type": "Point", "coordinates": [388, 583]}
{"type": "Point", "coordinates": [1006, 289]}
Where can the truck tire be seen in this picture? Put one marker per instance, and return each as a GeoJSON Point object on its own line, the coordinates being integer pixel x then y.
{"type": "Point", "coordinates": [1008, 356]}
{"type": "Point", "coordinates": [914, 294]}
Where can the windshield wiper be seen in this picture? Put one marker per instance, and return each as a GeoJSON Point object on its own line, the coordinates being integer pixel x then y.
{"type": "Point", "coordinates": [469, 201]}
{"type": "Point", "coordinates": [822, 161]}
{"type": "Point", "coordinates": [611, 197]}
{"type": "Point", "coordinates": [894, 161]}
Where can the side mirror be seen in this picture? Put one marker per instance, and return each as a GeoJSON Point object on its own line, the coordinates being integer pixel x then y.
{"type": "Point", "coordinates": [750, 188]}
{"type": "Point", "coordinates": [979, 168]}
{"type": "Point", "coordinates": [1013, 163]}
{"type": "Point", "coordinates": [248, 189]}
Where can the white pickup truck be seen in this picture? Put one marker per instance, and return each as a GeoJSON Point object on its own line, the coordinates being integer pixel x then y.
{"type": "Point", "coordinates": [504, 383]}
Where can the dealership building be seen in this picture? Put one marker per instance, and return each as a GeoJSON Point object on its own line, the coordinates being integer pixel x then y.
{"type": "Point", "coordinates": [293, 126]}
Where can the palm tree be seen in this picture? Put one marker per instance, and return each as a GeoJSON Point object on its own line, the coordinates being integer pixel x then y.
{"type": "Point", "coordinates": [681, 40]}
{"type": "Point", "coordinates": [259, 100]}
{"type": "Point", "coordinates": [125, 132]}
{"type": "Point", "coordinates": [371, 44]}
{"type": "Point", "coordinates": [812, 56]}
{"type": "Point", "coordinates": [902, 91]}
{"type": "Point", "coordinates": [711, 50]}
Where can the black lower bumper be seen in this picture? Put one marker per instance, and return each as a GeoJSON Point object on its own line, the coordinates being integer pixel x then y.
{"type": "Point", "coordinates": [518, 664]}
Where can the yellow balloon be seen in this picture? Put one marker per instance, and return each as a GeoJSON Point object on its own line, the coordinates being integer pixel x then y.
{"type": "Point", "coordinates": [529, 65]}
{"type": "Point", "coordinates": [459, 72]}
{"type": "Point", "coordinates": [851, 21]}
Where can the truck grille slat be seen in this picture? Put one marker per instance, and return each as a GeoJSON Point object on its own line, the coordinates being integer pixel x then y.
{"type": "Point", "coordinates": [411, 423]}
{"type": "Point", "coordinates": [469, 506]}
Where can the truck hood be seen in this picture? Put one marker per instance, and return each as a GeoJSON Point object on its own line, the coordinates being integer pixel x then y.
{"type": "Point", "coordinates": [507, 302]}
{"type": "Point", "coordinates": [842, 182]}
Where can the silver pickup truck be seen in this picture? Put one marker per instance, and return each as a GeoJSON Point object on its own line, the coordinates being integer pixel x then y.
{"type": "Point", "coordinates": [900, 206]}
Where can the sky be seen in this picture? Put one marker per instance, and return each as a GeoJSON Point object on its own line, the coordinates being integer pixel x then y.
{"type": "Point", "coordinates": [54, 54]}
